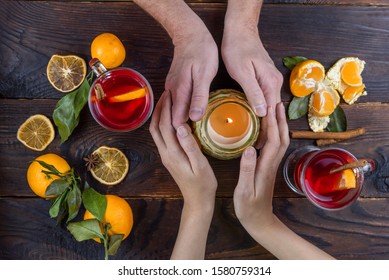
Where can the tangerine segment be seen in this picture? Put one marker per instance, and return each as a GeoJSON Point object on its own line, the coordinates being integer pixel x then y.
{"type": "Point", "coordinates": [351, 74]}
{"type": "Point", "coordinates": [351, 94]}
{"type": "Point", "coordinates": [305, 76]}
{"type": "Point", "coordinates": [36, 133]}
{"type": "Point", "coordinates": [118, 214]}
{"type": "Point", "coordinates": [346, 180]}
{"type": "Point", "coordinates": [131, 95]}
{"type": "Point", "coordinates": [66, 72]}
{"type": "Point", "coordinates": [323, 102]}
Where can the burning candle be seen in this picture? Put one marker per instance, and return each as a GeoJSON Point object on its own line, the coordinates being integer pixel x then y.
{"type": "Point", "coordinates": [229, 125]}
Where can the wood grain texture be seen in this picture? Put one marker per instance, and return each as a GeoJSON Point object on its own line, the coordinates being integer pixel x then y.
{"type": "Point", "coordinates": [147, 176]}
{"type": "Point", "coordinates": [325, 33]}
{"type": "Point", "coordinates": [359, 232]}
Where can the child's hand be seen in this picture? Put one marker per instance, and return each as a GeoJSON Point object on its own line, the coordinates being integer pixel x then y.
{"type": "Point", "coordinates": [183, 158]}
{"type": "Point", "coordinates": [254, 192]}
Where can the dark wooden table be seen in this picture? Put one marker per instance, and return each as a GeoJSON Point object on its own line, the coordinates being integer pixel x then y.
{"type": "Point", "coordinates": [31, 31]}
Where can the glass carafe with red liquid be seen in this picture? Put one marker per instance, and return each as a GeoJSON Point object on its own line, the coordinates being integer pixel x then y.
{"type": "Point", "coordinates": [120, 99]}
{"type": "Point", "coordinates": [309, 170]}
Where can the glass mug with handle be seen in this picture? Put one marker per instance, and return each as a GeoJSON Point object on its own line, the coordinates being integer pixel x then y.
{"type": "Point", "coordinates": [331, 178]}
{"type": "Point", "coordinates": [120, 99]}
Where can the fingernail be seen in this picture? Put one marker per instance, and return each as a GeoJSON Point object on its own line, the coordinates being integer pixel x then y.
{"type": "Point", "coordinates": [196, 114]}
{"type": "Point", "coordinates": [260, 110]}
{"type": "Point", "coordinates": [182, 131]}
{"type": "Point", "coordinates": [249, 152]}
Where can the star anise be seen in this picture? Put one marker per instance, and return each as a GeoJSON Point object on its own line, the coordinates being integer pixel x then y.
{"type": "Point", "coordinates": [92, 161]}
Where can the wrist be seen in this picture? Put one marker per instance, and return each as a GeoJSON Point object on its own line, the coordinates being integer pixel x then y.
{"type": "Point", "coordinates": [242, 17]}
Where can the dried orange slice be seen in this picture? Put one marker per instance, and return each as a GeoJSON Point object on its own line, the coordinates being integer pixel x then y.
{"type": "Point", "coordinates": [66, 72]}
{"type": "Point", "coordinates": [36, 132]}
{"type": "Point", "coordinates": [351, 74]}
{"type": "Point", "coordinates": [111, 166]}
{"type": "Point", "coordinates": [305, 76]}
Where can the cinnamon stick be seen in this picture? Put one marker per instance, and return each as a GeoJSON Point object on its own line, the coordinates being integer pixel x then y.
{"type": "Point", "coordinates": [305, 134]}
{"type": "Point", "coordinates": [324, 142]}
{"type": "Point", "coordinates": [355, 164]}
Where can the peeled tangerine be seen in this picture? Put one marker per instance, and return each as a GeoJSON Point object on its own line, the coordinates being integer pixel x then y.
{"type": "Point", "coordinates": [305, 76]}
{"type": "Point", "coordinates": [322, 104]}
{"type": "Point", "coordinates": [346, 77]}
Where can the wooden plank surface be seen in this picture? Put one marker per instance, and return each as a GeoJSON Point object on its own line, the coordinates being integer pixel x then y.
{"type": "Point", "coordinates": [323, 30]}
{"type": "Point", "coordinates": [360, 232]}
{"type": "Point", "coordinates": [324, 33]}
{"type": "Point", "coordinates": [147, 176]}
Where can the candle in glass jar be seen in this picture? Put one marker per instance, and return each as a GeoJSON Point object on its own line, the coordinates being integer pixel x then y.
{"type": "Point", "coordinates": [229, 125]}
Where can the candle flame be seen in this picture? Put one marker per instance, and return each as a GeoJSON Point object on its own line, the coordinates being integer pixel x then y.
{"type": "Point", "coordinates": [229, 120]}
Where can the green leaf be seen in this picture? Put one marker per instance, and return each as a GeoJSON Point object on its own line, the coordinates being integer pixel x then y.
{"type": "Point", "coordinates": [85, 230]}
{"type": "Point", "coordinates": [57, 187]}
{"type": "Point", "coordinates": [114, 243]}
{"type": "Point", "coordinates": [74, 202]}
{"type": "Point", "coordinates": [298, 107]}
{"type": "Point", "coordinates": [49, 167]}
{"type": "Point", "coordinates": [95, 203]}
{"type": "Point", "coordinates": [291, 61]}
{"type": "Point", "coordinates": [81, 98]}
{"type": "Point", "coordinates": [57, 204]}
{"type": "Point", "coordinates": [67, 111]}
{"type": "Point", "coordinates": [338, 121]}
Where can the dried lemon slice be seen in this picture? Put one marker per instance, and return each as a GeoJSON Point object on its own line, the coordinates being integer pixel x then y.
{"type": "Point", "coordinates": [36, 132]}
{"type": "Point", "coordinates": [66, 72]}
{"type": "Point", "coordinates": [111, 166]}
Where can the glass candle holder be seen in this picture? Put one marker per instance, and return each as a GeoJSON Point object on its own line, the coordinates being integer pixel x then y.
{"type": "Point", "coordinates": [229, 125]}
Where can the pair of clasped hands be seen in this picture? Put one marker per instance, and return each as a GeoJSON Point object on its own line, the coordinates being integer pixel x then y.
{"type": "Point", "coordinates": [194, 65]}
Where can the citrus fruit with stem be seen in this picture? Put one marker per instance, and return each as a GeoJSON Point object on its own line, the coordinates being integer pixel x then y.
{"type": "Point", "coordinates": [36, 133]}
{"type": "Point", "coordinates": [118, 215]}
{"type": "Point", "coordinates": [110, 167]}
{"type": "Point", "coordinates": [66, 72]}
{"type": "Point", "coordinates": [108, 48]}
{"type": "Point", "coordinates": [38, 180]}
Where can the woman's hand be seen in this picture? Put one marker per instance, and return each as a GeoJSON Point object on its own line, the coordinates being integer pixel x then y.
{"type": "Point", "coordinates": [182, 157]}
{"type": "Point", "coordinates": [254, 193]}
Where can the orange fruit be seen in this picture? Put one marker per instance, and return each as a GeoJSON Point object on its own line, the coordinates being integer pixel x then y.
{"type": "Point", "coordinates": [351, 74]}
{"type": "Point", "coordinates": [346, 77]}
{"type": "Point", "coordinates": [39, 181]}
{"type": "Point", "coordinates": [351, 94]}
{"type": "Point", "coordinates": [324, 102]}
{"type": "Point", "coordinates": [346, 180]}
{"type": "Point", "coordinates": [118, 214]}
{"type": "Point", "coordinates": [36, 133]}
{"type": "Point", "coordinates": [108, 49]}
{"type": "Point", "coordinates": [305, 76]}
{"type": "Point", "coordinates": [66, 72]}
{"type": "Point", "coordinates": [111, 167]}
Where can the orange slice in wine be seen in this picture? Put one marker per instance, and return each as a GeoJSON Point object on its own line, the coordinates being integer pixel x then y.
{"type": "Point", "coordinates": [131, 95]}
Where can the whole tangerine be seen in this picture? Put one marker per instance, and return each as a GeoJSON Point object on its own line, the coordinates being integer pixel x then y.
{"type": "Point", "coordinates": [38, 180]}
{"type": "Point", "coordinates": [108, 48]}
{"type": "Point", "coordinates": [118, 214]}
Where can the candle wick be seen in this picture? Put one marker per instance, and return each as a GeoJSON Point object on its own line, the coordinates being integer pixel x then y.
{"type": "Point", "coordinates": [228, 120]}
